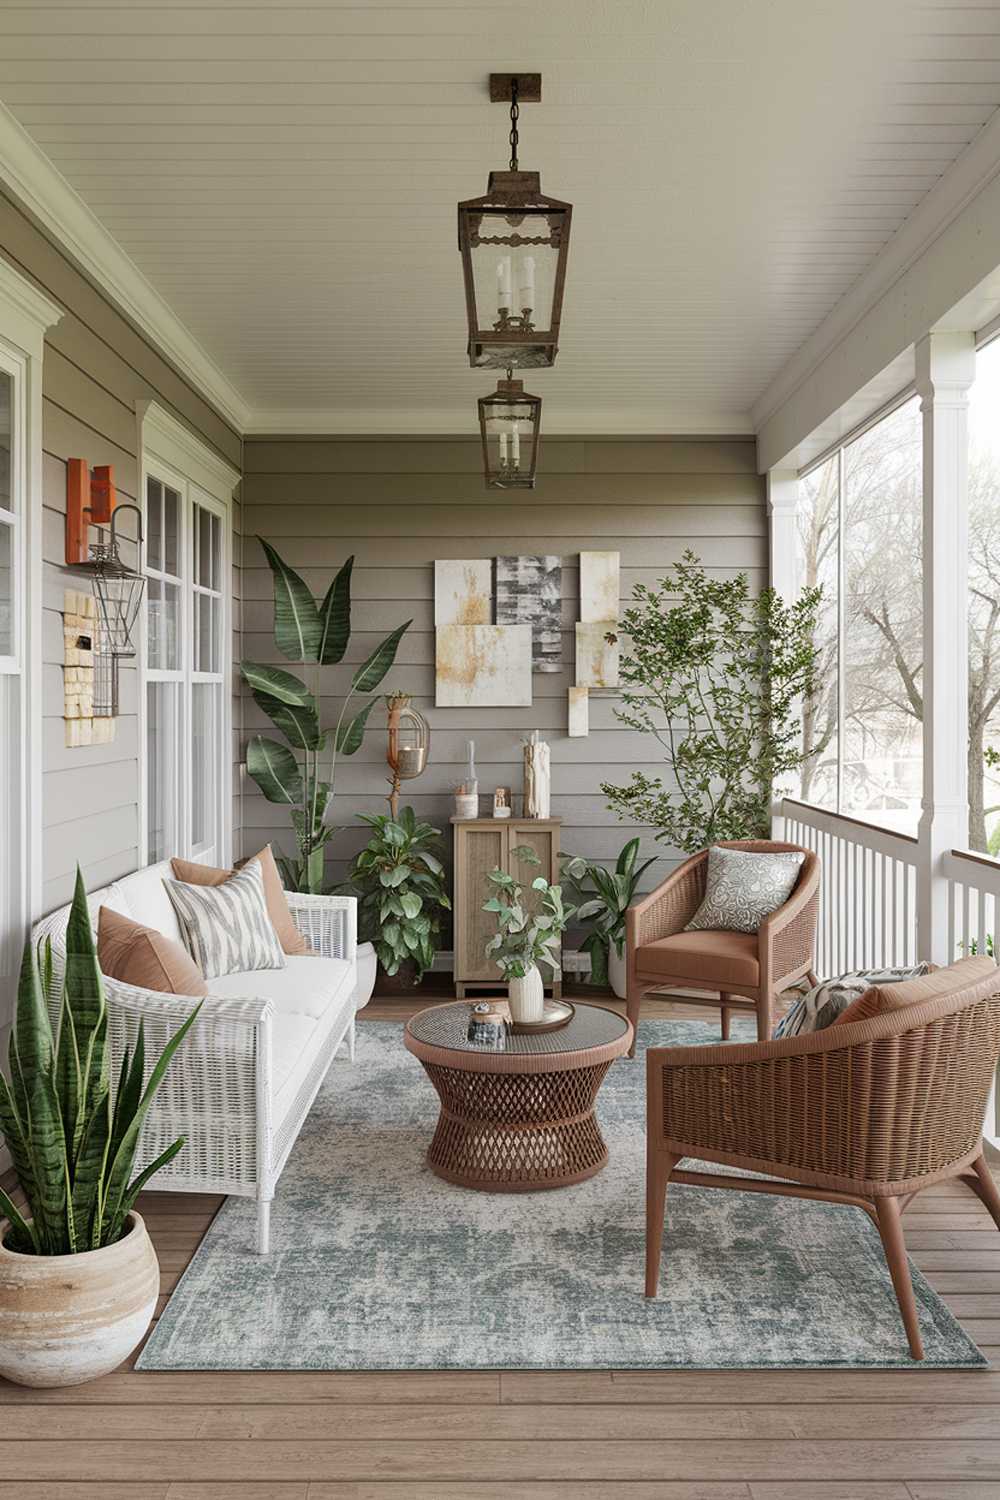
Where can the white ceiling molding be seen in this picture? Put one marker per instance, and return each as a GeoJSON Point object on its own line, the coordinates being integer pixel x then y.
{"type": "Point", "coordinates": [162, 436]}
{"type": "Point", "coordinates": [461, 422]}
{"type": "Point", "coordinates": [939, 268]}
{"type": "Point", "coordinates": [31, 177]}
{"type": "Point", "coordinates": [23, 301]}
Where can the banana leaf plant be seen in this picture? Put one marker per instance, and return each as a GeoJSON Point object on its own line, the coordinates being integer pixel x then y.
{"type": "Point", "coordinates": [73, 1140]}
{"type": "Point", "coordinates": [603, 897]}
{"type": "Point", "coordinates": [300, 771]}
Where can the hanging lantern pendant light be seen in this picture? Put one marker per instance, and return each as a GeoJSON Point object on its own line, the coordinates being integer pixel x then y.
{"type": "Point", "coordinates": [514, 243]}
{"type": "Point", "coordinates": [509, 425]}
{"type": "Point", "coordinates": [118, 588]}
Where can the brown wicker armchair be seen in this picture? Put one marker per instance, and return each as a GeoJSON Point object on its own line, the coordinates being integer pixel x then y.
{"type": "Point", "coordinates": [742, 971]}
{"type": "Point", "coordinates": [866, 1113]}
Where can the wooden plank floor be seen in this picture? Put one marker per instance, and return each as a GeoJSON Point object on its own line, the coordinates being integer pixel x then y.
{"type": "Point", "coordinates": [898, 1435]}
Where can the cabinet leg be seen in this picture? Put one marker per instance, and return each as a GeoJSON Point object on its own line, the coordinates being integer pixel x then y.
{"type": "Point", "coordinates": [557, 990]}
{"type": "Point", "coordinates": [459, 990]}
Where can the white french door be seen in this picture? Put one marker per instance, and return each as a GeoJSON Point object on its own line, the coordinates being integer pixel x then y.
{"type": "Point", "coordinates": [187, 670]}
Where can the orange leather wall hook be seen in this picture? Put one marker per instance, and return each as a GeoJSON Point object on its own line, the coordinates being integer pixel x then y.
{"type": "Point", "coordinates": [90, 500]}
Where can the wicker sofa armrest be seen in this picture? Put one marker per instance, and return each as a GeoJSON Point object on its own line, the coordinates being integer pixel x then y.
{"type": "Point", "coordinates": [328, 923]}
{"type": "Point", "coordinates": [670, 906]}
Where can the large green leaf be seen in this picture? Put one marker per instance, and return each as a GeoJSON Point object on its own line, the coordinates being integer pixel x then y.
{"type": "Point", "coordinates": [88, 1180]}
{"type": "Point", "coordinates": [297, 629]}
{"type": "Point", "coordinates": [335, 618]}
{"type": "Point", "coordinates": [368, 676]}
{"type": "Point", "coordinates": [298, 722]}
{"type": "Point", "coordinates": [349, 736]}
{"type": "Point", "coordinates": [24, 1239]}
{"type": "Point", "coordinates": [275, 682]}
{"type": "Point", "coordinates": [37, 1105]}
{"type": "Point", "coordinates": [275, 770]}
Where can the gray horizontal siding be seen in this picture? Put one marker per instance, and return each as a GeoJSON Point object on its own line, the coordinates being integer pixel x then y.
{"type": "Point", "coordinates": [97, 367]}
{"type": "Point", "coordinates": [398, 505]}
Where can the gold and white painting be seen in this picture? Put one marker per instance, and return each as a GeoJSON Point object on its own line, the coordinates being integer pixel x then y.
{"type": "Point", "coordinates": [463, 591]}
{"type": "Point", "coordinates": [483, 666]}
{"type": "Point", "coordinates": [596, 656]}
{"type": "Point", "coordinates": [579, 712]}
{"type": "Point", "coordinates": [600, 575]}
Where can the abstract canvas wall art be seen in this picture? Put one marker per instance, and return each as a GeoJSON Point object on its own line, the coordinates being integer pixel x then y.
{"type": "Point", "coordinates": [483, 666]}
{"type": "Point", "coordinates": [579, 712]}
{"type": "Point", "coordinates": [529, 591]}
{"type": "Point", "coordinates": [463, 591]}
{"type": "Point", "coordinates": [599, 586]}
{"type": "Point", "coordinates": [596, 657]}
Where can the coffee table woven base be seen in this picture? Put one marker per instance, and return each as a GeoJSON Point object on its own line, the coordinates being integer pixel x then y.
{"type": "Point", "coordinates": [520, 1120]}
{"type": "Point", "coordinates": [512, 1132]}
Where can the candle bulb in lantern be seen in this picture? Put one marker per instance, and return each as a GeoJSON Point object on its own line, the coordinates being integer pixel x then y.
{"type": "Point", "coordinates": [527, 280]}
{"type": "Point", "coordinates": [503, 450]}
{"type": "Point", "coordinates": [504, 295]}
{"type": "Point", "coordinates": [515, 447]}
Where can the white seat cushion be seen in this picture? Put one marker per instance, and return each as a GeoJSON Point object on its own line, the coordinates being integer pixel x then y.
{"type": "Point", "coordinates": [307, 985]}
{"type": "Point", "coordinates": [309, 995]}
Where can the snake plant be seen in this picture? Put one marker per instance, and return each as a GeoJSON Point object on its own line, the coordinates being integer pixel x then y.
{"type": "Point", "coordinates": [292, 773]}
{"type": "Point", "coordinates": [72, 1140]}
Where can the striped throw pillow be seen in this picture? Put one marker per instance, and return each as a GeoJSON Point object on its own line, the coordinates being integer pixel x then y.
{"type": "Point", "coordinates": [226, 927]}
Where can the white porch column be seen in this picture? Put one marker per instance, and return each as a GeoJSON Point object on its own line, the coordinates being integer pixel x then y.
{"type": "Point", "coordinates": [782, 505]}
{"type": "Point", "coordinates": [945, 368]}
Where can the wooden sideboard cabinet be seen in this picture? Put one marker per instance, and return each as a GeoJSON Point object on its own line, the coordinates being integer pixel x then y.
{"type": "Point", "coordinates": [482, 844]}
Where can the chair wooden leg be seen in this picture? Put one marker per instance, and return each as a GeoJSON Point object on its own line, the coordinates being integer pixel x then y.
{"type": "Point", "coordinates": [659, 1165]}
{"type": "Point", "coordinates": [765, 1016]}
{"type": "Point", "coordinates": [727, 1016]}
{"type": "Point", "coordinates": [890, 1227]}
{"type": "Point", "coordinates": [632, 1003]}
{"type": "Point", "coordinates": [983, 1185]}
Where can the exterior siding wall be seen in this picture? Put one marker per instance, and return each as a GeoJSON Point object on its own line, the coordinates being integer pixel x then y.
{"type": "Point", "coordinates": [399, 504]}
{"type": "Point", "coordinates": [96, 368]}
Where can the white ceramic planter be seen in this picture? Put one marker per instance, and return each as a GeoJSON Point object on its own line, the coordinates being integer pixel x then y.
{"type": "Point", "coordinates": [526, 997]}
{"type": "Point", "coordinates": [617, 972]}
{"type": "Point", "coordinates": [367, 969]}
{"type": "Point", "coordinates": [65, 1319]}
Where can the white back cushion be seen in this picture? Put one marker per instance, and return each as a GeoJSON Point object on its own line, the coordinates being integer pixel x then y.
{"type": "Point", "coordinates": [148, 902]}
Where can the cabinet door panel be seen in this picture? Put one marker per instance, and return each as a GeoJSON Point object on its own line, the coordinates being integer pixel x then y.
{"type": "Point", "coordinates": [477, 852]}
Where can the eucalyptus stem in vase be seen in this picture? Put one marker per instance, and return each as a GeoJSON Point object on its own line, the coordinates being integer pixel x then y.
{"type": "Point", "coordinates": [526, 938]}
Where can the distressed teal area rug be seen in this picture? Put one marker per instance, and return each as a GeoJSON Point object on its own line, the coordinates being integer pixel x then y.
{"type": "Point", "coordinates": [379, 1265]}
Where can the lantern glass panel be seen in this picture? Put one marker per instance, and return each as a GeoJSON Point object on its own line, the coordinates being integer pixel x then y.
{"type": "Point", "coordinates": [510, 440]}
{"type": "Point", "coordinates": [515, 281]}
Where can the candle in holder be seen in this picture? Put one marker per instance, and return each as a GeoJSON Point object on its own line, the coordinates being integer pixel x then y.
{"type": "Point", "coordinates": [505, 296]}
{"type": "Point", "coordinates": [527, 280]}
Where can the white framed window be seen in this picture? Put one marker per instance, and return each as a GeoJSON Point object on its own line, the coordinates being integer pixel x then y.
{"type": "Point", "coordinates": [25, 314]}
{"type": "Point", "coordinates": [187, 657]}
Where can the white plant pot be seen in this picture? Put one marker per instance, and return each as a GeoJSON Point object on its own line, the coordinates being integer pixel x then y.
{"type": "Point", "coordinates": [617, 972]}
{"type": "Point", "coordinates": [69, 1318]}
{"type": "Point", "coordinates": [526, 997]}
{"type": "Point", "coordinates": [367, 968]}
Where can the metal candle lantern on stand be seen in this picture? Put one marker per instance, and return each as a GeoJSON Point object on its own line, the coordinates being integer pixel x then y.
{"type": "Point", "coordinates": [408, 744]}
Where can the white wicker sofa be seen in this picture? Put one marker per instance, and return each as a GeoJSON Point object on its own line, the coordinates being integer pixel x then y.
{"type": "Point", "coordinates": [245, 1078]}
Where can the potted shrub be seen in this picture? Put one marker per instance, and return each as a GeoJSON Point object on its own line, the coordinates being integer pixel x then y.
{"type": "Point", "coordinates": [603, 897]}
{"type": "Point", "coordinates": [399, 881]}
{"type": "Point", "coordinates": [526, 938]}
{"type": "Point", "coordinates": [78, 1274]}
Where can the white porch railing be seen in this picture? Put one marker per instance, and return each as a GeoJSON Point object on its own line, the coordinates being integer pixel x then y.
{"type": "Point", "coordinates": [868, 893]}
{"type": "Point", "coordinates": [868, 899]}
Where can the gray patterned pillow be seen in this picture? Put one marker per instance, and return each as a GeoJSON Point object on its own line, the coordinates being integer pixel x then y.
{"type": "Point", "coordinates": [226, 927]}
{"type": "Point", "coordinates": [742, 889]}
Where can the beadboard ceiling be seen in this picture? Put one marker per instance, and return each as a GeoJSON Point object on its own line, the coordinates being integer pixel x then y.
{"type": "Point", "coordinates": [286, 175]}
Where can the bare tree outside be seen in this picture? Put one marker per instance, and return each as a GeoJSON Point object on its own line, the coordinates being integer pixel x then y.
{"type": "Point", "coordinates": [871, 744]}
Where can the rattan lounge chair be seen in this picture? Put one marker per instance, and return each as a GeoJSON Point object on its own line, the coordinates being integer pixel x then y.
{"type": "Point", "coordinates": [741, 971]}
{"type": "Point", "coordinates": [867, 1113]}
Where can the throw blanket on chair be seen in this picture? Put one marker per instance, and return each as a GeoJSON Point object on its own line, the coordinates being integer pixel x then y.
{"type": "Point", "coordinates": [820, 1006]}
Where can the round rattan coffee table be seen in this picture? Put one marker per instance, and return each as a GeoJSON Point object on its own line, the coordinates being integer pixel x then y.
{"type": "Point", "coordinates": [522, 1119]}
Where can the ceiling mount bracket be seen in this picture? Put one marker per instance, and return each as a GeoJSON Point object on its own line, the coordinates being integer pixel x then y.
{"type": "Point", "coordinates": [529, 88]}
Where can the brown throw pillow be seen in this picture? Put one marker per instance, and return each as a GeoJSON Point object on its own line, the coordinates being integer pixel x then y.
{"type": "Point", "coordinates": [144, 957]}
{"type": "Point", "coordinates": [288, 934]}
{"type": "Point", "coordinates": [881, 1000]}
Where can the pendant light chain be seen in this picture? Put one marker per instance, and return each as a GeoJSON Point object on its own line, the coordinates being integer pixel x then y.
{"type": "Point", "coordinates": [514, 117]}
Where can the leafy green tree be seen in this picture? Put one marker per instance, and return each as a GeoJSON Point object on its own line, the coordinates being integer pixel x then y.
{"type": "Point", "coordinates": [717, 677]}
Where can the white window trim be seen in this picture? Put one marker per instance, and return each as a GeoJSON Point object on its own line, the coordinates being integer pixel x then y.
{"type": "Point", "coordinates": [170, 451]}
{"type": "Point", "coordinates": [25, 315]}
